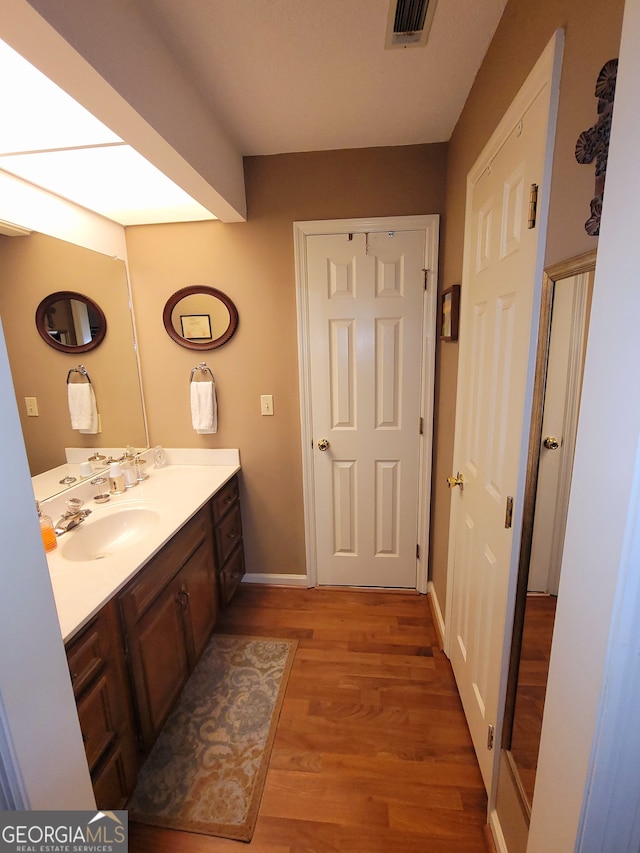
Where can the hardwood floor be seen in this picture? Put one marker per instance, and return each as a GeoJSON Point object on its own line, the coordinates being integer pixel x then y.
{"type": "Point", "coordinates": [533, 672]}
{"type": "Point", "coordinates": [372, 751]}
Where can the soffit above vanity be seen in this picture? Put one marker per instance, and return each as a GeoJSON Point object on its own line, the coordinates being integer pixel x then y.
{"type": "Point", "coordinates": [195, 86]}
{"type": "Point", "coordinates": [134, 89]}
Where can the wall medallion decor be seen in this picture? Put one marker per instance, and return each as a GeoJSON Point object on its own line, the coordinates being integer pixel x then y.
{"type": "Point", "coordinates": [593, 144]}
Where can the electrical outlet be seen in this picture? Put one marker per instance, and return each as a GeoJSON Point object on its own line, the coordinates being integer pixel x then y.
{"type": "Point", "coordinates": [32, 406]}
{"type": "Point", "coordinates": [266, 404]}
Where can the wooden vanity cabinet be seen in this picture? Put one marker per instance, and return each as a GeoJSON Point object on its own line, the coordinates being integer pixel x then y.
{"type": "Point", "coordinates": [169, 610]}
{"type": "Point", "coordinates": [130, 662]}
{"type": "Point", "coordinates": [103, 699]}
{"type": "Point", "coordinates": [227, 522]}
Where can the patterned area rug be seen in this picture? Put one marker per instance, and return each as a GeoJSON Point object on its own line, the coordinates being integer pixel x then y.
{"type": "Point", "coordinates": [206, 771]}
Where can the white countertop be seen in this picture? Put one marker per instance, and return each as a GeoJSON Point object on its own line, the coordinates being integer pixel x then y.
{"type": "Point", "coordinates": [175, 492]}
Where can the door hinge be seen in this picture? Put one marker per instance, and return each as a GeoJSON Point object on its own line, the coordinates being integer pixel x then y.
{"type": "Point", "coordinates": [417, 552]}
{"type": "Point", "coordinates": [491, 736]}
{"type": "Point", "coordinates": [425, 273]}
{"type": "Point", "coordinates": [533, 205]}
{"type": "Point", "coordinates": [508, 515]}
{"type": "Point", "coordinates": [421, 426]}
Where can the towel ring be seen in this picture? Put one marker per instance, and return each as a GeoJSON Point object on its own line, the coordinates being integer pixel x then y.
{"type": "Point", "coordinates": [199, 373]}
{"type": "Point", "coordinates": [80, 369]}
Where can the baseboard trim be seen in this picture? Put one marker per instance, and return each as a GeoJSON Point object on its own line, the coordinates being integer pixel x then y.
{"type": "Point", "coordinates": [496, 834]}
{"type": "Point", "coordinates": [276, 579]}
{"type": "Point", "coordinates": [436, 612]}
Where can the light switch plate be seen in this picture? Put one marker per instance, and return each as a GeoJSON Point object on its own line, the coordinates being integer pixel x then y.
{"type": "Point", "coordinates": [266, 404]}
{"type": "Point", "coordinates": [32, 406]}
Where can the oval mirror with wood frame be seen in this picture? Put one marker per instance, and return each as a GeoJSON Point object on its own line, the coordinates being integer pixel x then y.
{"type": "Point", "coordinates": [70, 322]}
{"type": "Point", "coordinates": [200, 317]}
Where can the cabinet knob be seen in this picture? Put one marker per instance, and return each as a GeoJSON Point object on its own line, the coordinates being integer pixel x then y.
{"type": "Point", "coordinates": [183, 599]}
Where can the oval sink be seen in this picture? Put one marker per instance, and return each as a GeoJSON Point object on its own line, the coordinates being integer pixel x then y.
{"type": "Point", "coordinates": [109, 535]}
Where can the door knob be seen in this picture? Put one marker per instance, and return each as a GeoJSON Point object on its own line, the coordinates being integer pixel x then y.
{"type": "Point", "coordinates": [458, 480]}
{"type": "Point", "coordinates": [551, 443]}
{"type": "Point", "coordinates": [323, 444]}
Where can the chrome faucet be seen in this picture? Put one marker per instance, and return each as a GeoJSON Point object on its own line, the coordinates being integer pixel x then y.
{"type": "Point", "coordinates": [72, 517]}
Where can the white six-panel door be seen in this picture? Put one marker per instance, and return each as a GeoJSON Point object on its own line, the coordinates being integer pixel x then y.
{"type": "Point", "coordinates": [366, 296]}
{"type": "Point", "coordinates": [565, 364]}
{"type": "Point", "coordinates": [502, 267]}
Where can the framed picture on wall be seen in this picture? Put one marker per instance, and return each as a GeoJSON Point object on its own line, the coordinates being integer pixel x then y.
{"type": "Point", "coordinates": [196, 326]}
{"type": "Point", "coordinates": [450, 313]}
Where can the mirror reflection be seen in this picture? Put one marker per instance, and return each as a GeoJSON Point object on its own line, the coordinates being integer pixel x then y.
{"type": "Point", "coordinates": [70, 322]}
{"type": "Point", "coordinates": [567, 290]}
{"type": "Point", "coordinates": [32, 269]}
{"type": "Point", "coordinates": [200, 317]}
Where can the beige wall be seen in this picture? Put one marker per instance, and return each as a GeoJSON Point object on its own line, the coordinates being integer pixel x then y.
{"type": "Point", "coordinates": [592, 36]}
{"type": "Point", "coordinates": [253, 263]}
{"type": "Point", "coordinates": [30, 269]}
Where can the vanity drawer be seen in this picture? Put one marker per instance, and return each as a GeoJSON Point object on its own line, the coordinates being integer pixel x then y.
{"type": "Point", "coordinates": [88, 654]}
{"type": "Point", "coordinates": [231, 575]}
{"type": "Point", "coordinates": [112, 784]}
{"type": "Point", "coordinates": [159, 572]}
{"type": "Point", "coordinates": [96, 715]}
{"type": "Point", "coordinates": [228, 533]}
{"type": "Point", "coordinates": [103, 702]}
{"type": "Point", "coordinates": [221, 502]}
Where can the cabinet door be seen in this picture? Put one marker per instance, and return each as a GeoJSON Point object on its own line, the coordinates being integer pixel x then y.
{"type": "Point", "coordinates": [158, 661]}
{"type": "Point", "coordinates": [199, 596]}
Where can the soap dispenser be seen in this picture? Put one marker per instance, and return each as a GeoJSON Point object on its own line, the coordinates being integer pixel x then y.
{"type": "Point", "coordinates": [46, 530]}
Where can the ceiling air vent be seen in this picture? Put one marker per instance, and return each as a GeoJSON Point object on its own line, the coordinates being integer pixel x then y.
{"type": "Point", "coordinates": [409, 22]}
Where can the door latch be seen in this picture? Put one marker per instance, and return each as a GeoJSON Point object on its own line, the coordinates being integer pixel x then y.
{"type": "Point", "coordinates": [508, 515]}
{"type": "Point", "coordinates": [458, 480]}
{"type": "Point", "coordinates": [533, 205]}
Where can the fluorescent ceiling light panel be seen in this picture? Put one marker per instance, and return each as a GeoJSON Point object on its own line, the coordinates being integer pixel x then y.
{"type": "Point", "coordinates": [50, 140]}
{"type": "Point", "coordinates": [38, 115]}
{"type": "Point", "coordinates": [115, 181]}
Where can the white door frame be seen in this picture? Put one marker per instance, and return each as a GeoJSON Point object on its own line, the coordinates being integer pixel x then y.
{"type": "Point", "coordinates": [301, 230]}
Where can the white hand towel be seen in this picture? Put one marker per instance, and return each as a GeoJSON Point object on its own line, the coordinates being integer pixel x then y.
{"type": "Point", "coordinates": [82, 407]}
{"type": "Point", "coordinates": [204, 407]}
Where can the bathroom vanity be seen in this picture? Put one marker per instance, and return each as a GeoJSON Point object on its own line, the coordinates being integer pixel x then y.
{"type": "Point", "coordinates": [136, 619]}
{"type": "Point", "coordinates": [168, 613]}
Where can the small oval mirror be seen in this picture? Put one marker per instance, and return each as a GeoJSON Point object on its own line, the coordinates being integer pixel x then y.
{"type": "Point", "coordinates": [70, 322]}
{"type": "Point", "coordinates": [200, 317]}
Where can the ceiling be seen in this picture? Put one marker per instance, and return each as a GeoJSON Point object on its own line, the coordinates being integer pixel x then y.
{"type": "Point", "coordinates": [195, 85]}
{"type": "Point", "coordinates": [308, 75]}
